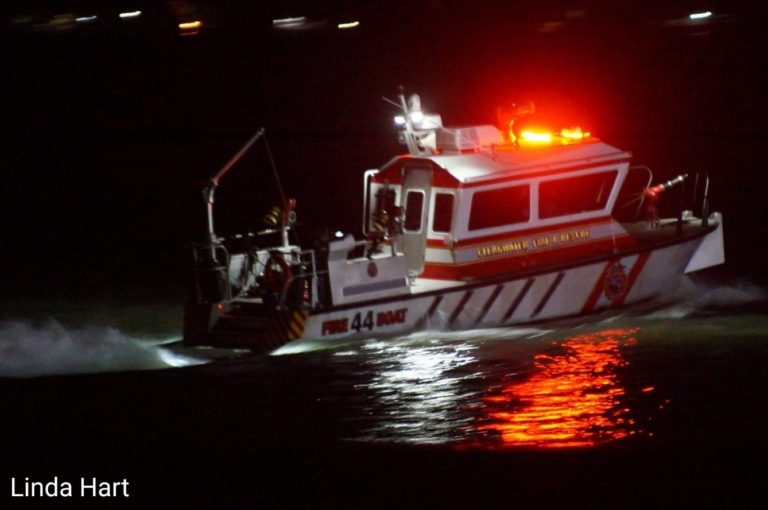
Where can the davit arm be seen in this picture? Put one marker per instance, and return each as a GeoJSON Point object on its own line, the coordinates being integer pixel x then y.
{"type": "Point", "coordinates": [210, 188]}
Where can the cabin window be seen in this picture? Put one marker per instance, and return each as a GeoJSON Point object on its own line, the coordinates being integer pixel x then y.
{"type": "Point", "coordinates": [629, 202]}
{"type": "Point", "coordinates": [497, 207]}
{"type": "Point", "coordinates": [575, 195]}
{"type": "Point", "coordinates": [414, 203]}
{"type": "Point", "coordinates": [441, 221]}
{"type": "Point", "coordinates": [385, 203]}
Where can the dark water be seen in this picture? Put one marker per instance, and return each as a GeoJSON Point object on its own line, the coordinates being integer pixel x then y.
{"type": "Point", "coordinates": [109, 135]}
{"type": "Point", "coordinates": [658, 406]}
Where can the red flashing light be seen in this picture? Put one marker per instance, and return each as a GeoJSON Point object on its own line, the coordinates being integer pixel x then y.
{"type": "Point", "coordinates": [540, 137]}
{"type": "Point", "coordinates": [545, 137]}
{"type": "Point", "coordinates": [574, 133]}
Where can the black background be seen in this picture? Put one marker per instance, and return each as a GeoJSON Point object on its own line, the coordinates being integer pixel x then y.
{"type": "Point", "coordinates": [110, 132]}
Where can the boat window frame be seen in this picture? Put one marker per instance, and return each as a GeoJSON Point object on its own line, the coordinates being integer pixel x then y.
{"type": "Point", "coordinates": [370, 207]}
{"type": "Point", "coordinates": [451, 212]}
{"type": "Point", "coordinates": [528, 185]}
{"type": "Point", "coordinates": [421, 211]}
{"type": "Point", "coordinates": [609, 191]}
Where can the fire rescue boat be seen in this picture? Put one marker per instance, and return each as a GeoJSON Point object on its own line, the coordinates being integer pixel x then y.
{"type": "Point", "coordinates": [474, 227]}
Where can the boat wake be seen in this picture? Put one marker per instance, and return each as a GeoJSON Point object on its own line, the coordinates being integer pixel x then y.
{"type": "Point", "coordinates": [28, 350]}
{"type": "Point", "coordinates": [690, 297]}
{"type": "Point", "coordinates": [693, 296]}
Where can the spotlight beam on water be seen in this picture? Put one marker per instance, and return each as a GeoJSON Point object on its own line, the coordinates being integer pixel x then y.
{"type": "Point", "coordinates": [28, 350]}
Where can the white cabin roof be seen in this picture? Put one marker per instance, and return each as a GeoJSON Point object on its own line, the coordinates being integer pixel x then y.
{"type": "Point", "coordinates": [479, 166]}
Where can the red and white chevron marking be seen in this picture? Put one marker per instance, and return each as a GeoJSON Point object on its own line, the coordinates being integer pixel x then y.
{"type": "Point", "coordinates": [578, 290]}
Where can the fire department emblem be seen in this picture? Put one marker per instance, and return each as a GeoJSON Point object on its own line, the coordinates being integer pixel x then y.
{"type": "Point", "coordinates": [615, 282]}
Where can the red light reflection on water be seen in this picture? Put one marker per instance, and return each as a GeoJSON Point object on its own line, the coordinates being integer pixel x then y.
{"type": "Point", "coordinates": [573, 399]}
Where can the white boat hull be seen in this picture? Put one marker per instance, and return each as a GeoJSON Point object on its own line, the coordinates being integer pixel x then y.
{"type": "Point", "coordinates": [551, 295]}
{"type": "Point", "coordinates": [573, 290]}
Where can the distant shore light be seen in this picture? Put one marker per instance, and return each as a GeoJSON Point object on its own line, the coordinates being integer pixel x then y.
{"type": "Point", "coordinates": [351, 24]}
{"type": "Point", "coordinates": [289, 22]}
{"type": "Point", "coordinates": [131, 14]}
{"type": "Point", "coordinates": [190, 25]}
{"type": "Point", "coordinates": [700, 15]}
{"type": "Point", "coordinates": [86, 19]}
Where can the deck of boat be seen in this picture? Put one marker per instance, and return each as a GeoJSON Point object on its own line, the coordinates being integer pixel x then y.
{"type": "Point", "coordinates": [666, 230]}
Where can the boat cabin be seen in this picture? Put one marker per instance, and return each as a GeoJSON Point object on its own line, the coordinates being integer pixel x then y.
{"type": "Point", "coordinates": [473, 206]}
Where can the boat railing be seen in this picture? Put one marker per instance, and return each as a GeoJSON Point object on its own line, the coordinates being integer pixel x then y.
{"type": "Point", "coordinates": [701, 192]}
{"type": "Point", "coordinates": [245, 245]}
{"type": "Point", "coordinates": [690, 197]}
{"type": "Point", "coordinates": [694, 197]}
{"type": "Point", "coordinates": [304, 287]}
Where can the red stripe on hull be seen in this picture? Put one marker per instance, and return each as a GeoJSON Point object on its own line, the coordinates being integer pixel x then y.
{"type": "Point", "coordinates": [633, 274]}
{"type": "Point", "coordinates": [597, 290]}
{"type": "Point", "coordinates": [599, 287]}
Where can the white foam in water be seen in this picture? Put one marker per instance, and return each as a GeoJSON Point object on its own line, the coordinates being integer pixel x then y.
{"type": "Point", "coordinates": [691, 294]}
{"type": "Point", "coordinates": [416, 338]}
{"type": "Point", "coordinates": [736, 294]}
{"type": "Point", "coordinates": [28, 351]}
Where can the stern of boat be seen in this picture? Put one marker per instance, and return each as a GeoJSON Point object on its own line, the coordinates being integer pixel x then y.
{"type": "Point", "coordinates": [711, 250]}
{"type": "Point", "coordinates": [256, 299]}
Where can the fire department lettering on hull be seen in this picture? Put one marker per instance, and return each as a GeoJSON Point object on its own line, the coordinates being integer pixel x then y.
{"type": "Point", "coordinates": [367, 320]}
{"type": "Point", "coordinates": [541, 241]}
{"type": "Point", "coordinates": [574, 291]}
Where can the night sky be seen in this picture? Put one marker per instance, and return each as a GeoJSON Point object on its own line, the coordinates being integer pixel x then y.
{"type": "Point", "coordinates": [112, 125]}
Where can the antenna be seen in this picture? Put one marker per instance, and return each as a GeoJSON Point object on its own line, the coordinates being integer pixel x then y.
{"type": "Point", "coordinates": [418, 128]}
